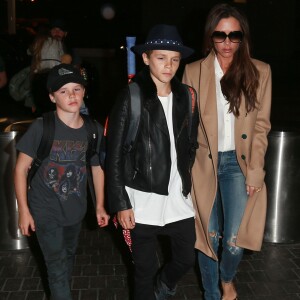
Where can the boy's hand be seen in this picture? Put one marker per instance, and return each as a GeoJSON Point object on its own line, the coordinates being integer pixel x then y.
{"type": "Point", "coordinates": [126, 218]}
{"type": "Point", "coordinates": [102, 217]}
{"type": "Point", "coordinates": [26, 223]}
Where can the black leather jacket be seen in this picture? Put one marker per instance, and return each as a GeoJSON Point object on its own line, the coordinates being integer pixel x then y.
{"type": "Point", "coordinates": [147, 166]}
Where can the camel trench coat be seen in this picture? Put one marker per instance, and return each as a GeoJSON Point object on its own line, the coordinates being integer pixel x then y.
{"type": "Point", "coordinates": [250, 132]}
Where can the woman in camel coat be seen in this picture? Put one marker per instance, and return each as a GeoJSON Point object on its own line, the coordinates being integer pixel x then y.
{"type": "Point", "coordinates": [234, 93]}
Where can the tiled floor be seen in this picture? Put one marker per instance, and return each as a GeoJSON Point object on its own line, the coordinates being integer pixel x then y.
{"type": "Point", "coordinates": [103, 271]}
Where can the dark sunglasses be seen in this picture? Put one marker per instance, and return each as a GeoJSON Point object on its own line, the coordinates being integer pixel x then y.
{"type": "Point", "coordinates": [220, 36]}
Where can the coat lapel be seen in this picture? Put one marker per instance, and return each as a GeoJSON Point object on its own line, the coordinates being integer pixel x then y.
{"type": "Point", "coordinates": [207, 98]}
{"type": "Point", "coordinates": [151, 101]}
{"type": "Point", "coordinates": [154, 106]}
{"type": "Point", "coordinates": [207, 89]}
{"type": "Point", "coordinates": [157, 115]}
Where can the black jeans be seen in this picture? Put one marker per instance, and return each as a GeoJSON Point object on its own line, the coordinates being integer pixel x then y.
{"type": "Point", "coordinates": [58, 245]}
{"type": "Point", "coordinates": [144, 242]}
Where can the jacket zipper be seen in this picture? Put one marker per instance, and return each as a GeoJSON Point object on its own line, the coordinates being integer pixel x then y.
{"type": "Point", "coordinates": [150, 151]}
{"type": "Point", "coordinates": [183, 185]}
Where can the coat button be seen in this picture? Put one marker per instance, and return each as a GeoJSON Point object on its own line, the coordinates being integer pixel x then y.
{"type": "Point", "coordinates": [244, 136]}
{"type": "Point", "coordinates": [209, 155]}
{"type": "Point", "coordinates": [243, 157]}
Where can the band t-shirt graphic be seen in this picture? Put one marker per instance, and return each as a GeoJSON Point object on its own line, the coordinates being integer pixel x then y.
{"type": "Point", "coordinates": [64, 173]}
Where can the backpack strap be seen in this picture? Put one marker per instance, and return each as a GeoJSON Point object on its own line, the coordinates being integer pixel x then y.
{"type": "Point", "coordinates": [134, 120]}
{"type": "Point", "coordinates": [135, 114]}
{"type": "Point", "coordinates": [103, 144]}
{"type": "Point", "coordinates": [44, 146]}
{"type": "Point", "coordinates": [92, 136]}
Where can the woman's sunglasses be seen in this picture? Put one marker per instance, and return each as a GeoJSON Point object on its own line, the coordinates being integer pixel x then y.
{"type": "Point", "coordinates": [220, 36]}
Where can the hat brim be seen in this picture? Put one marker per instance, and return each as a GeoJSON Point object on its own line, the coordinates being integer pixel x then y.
{"type": "Point", "coordinates": [55, 86]}
{"type": "Point", "coordinates": [140, 49]}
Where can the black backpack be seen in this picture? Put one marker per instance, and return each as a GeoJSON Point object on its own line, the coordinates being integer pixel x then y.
{"type": "Point", "coordinates": [135, 114]}
{"type": "Point", "coordinates": [47, 141]}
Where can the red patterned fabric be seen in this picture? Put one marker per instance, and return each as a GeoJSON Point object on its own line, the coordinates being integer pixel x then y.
{"type": "Point", "coordinates": [126, 234]}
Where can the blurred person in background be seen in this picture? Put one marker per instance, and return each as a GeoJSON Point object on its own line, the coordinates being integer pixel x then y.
{"type": "Point", "coordinates": [46, 53]}
{"type": "Point", "coordinates": [58, 29]}
{"type": "Point", "coordinates": [59, 32]}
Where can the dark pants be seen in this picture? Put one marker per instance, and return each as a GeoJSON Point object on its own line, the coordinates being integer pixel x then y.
{"type": "Point", "coordinates": [58, 245]}
{"type": "Point", "coordinates": [144, 242]}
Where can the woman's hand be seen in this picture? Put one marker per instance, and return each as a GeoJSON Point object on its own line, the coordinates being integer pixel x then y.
{"type": "Point", "coordinates": [252, 189]}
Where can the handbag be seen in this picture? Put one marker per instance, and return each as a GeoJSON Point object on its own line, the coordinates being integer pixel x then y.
{"type": "Point", "coordinates": [19, 85]}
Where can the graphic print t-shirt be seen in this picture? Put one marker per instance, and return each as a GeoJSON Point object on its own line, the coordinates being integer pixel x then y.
{"type": "Point", "coordinates": [58, 189]}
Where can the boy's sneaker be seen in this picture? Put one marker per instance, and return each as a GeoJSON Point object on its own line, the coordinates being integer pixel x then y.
{"type": "Point", "coordinates": [162, 291]}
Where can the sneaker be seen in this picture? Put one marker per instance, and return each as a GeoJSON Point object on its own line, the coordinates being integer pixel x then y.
{"type": "Point", "coordinates": [162, 291]}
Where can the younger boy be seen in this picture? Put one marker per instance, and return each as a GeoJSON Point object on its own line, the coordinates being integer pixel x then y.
{"type": "Point", "coordinates": [55, 204]}
{"type": "Point", "coordinates": [149, 186]}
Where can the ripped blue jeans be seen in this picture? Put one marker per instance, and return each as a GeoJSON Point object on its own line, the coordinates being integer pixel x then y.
{"type": "Point", "coordinates": [224, 223]}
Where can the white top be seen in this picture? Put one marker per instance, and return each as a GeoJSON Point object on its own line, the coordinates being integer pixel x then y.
{"type": "Point", "coordinates": [225, 119]}
{"type": "Point", "coordinates": [154, 209]}
{"type": "Point", "coordinates": [51, 53]}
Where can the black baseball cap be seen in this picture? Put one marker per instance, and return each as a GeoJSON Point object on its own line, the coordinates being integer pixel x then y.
{"type": "Point", "coordinates": [63, 74]}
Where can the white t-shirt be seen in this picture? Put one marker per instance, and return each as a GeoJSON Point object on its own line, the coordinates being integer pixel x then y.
{"type": "Point", "coordinates": [51, 53]}
{"type": "Point", "coordinates": [155, 209]}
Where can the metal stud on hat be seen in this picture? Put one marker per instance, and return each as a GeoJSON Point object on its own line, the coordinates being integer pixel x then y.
{"type": "Point", "coordinates": [163, 37]}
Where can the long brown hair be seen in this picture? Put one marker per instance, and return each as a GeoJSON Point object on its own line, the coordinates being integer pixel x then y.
{"type": "Point", "coordinates": [242, 77]}
{"type": "Point", "coordinates": [36, 48]}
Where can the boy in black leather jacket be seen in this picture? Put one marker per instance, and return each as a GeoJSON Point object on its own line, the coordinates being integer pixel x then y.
{"type": "Point", "coordinates": [149, 186]}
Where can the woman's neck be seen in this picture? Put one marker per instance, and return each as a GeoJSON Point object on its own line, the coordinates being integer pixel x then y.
{"type": "Point", "coordinates": [224, 63]}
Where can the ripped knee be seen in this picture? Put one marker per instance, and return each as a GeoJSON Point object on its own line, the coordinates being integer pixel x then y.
{"type": "Point", "coordinates": [232, 247]}
{"type": "Point", "coordinates": [212, 234]}
{"type": "Point", "coordinates": [214, 237]}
